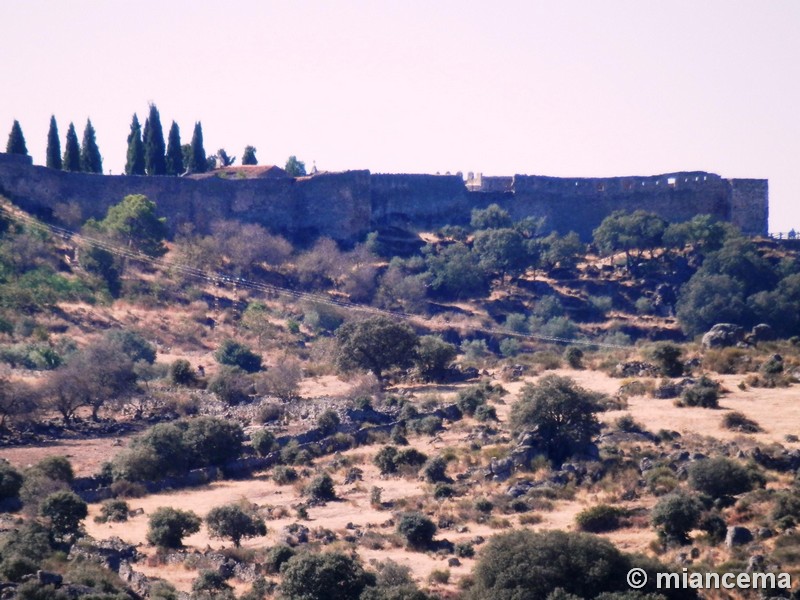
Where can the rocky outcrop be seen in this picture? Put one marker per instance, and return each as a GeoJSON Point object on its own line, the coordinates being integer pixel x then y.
{"type": "Point", "coordinates": [723, 335]}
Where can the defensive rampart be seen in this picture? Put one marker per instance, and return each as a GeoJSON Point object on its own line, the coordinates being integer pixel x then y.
{"type": "Point", "coordinates": [349, 204]}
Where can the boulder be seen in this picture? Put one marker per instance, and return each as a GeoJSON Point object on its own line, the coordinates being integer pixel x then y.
{"type": "Point", "coordinates": [723, 335]}
{"type": "Point", "coordinates": [762, 333]}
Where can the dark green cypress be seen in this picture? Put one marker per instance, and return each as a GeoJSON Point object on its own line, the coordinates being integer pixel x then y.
{"type": "Point", "coordinates": [154, 148]}
{"type": "Point", "coordinates": [16, 141]}
{"type": "Point", "coordinates": [198, 163]}
{"type": "Point", "coordinates": [53, 146]}
{"type": "Point", "coordinates": [72, 151]}
{"type": "Point", "coordinates": [135, 162]}
{"type": "Point", "coordinates": [174, 152]}
{"type": "Point", "coordinates": [249, 156]}
{"type": "Point", "coordinates": [91, 161]}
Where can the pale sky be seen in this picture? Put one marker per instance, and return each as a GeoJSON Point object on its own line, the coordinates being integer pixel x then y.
{"type": "Point", "coordinates": [565, 88]}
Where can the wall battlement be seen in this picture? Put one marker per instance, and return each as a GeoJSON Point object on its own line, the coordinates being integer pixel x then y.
{"type": "Point", "coordinates": [349, 204]}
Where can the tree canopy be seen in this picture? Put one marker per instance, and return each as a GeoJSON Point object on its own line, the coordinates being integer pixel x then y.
{"type": "Point", "coordinates": [16, 141]}
{"type": "Point", "coordinates": [154, 147]}
{"type": "Point", "coordinates": [174, 158]}
{"type": "Point", "coordinates": [294, 167]}
{"type": "Point", "coordinates": [234, 522]}
{"type": "Point", "coordinates": [197, 158]}
{"type": "Point", "coordinates": [560, 413]}
{"type": "Point", "coordinates": [72, 151]}
{"type": "Point", "coordinates": [53, 146]}
{"type": "Point", "coordinates": [375, 344]}
{"type": "Point", "coordinates": [91, 161]}
{"type": "Point", "coordinates": [249, 156]}
{"type": "Point", "coordinates": [135, 161]}
{"type": "Point", "coordinates": [135, 221]}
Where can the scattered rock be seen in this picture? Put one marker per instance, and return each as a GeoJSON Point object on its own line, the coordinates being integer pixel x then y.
{"type": "Point", "coordinates": [723, 335]}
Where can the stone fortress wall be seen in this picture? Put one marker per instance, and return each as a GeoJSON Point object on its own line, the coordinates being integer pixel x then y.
{"type": "Point", "coordinates": [347, 205]}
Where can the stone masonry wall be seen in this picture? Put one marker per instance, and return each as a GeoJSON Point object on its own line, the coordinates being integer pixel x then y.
{"type": "Point", "coordinates": [347, 205]}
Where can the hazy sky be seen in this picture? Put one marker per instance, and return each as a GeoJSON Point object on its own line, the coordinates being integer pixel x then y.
{"type": "Point", "coordinates": [564, 88]}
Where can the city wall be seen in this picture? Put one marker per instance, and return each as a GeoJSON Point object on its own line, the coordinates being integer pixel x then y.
{"type": "Point", "coordinates": [349, 204]}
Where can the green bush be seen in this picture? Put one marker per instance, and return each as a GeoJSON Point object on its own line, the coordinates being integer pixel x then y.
{"type": "Point", "coordinates": [168, 526]}
{"type": "Point", "coordinates": [133, 345]}
{"type": "Point", "coordinates": [238, 355]}
{"type": "Point", "coordinates": [668, 358]}
{"type": "Point", "coordinates": [231, 386]}
{"type": "Point", "coordinates": [435, 470]}
{"type": "Point", "coordinates": [114, 510]}
{"type": "Point", "coordinates": [386, 460]}
{"type": "Point", "coordinates": [284, 475]}
{"type": "Point", "coordinates": [417, 529]}
{"type": "Point", "coordinates": [434, 355]}
{"type": "Point", "coordinates": [181, 372]}
{"type": "Point", "coordinates": [263, 442]}
{"type": "Point", "coordinates": [325, 576]}
{"type": "Point", "coordinates": [719, 477]}
{"type": "Point", "coordinates": [10, 481]}
{"type": "Point", "coordinates": [704, 393]}
{"type": "Point", "coordinates": [600, 518]}
{"type": "Point", "coordinates": [510, 347]}
{"type": "Point", "coordinates": [675, 515]}
{"type": "Point", "coordinates": [65, 510]}
{"type": "Point", "coordinates": [574, 357]}
{"type": "Point", "coordinates": [234, 522]}
{"type": "Point", "coordinates": [328, 422]}
{"type": "Point", "coordinates": [276, 557]}
{"type": "Point", "coordinates": [321, 488]}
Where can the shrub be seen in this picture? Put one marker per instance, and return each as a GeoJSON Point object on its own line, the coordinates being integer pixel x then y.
{"type": "Point", "coordinates": [375, 344]}
{"type": "Point", "coordinates": [661, 480]}
{"type": "Point", "coordinates": [574, 357]}
{"type": "Point", "coordinates": [386, 460]}
{"type": "Point", "coordinates": [133, 345]}
{"type": "Point", "coordinates": [321, 488]}
{"type": "Point", "coordinates": [269, 413]}
{"type": "Point", "coordinates": [10, 481]}
{"type": "Point", "coordinates": [181, 372]}
{"type": "Point", "coordinates": [471, 398]}
{"type": "Point", "coordinates": [284, 475]}
{"type": "Point", "coordinates": [528, 564]}
{"type": "Point", "coordinates": [328, 422]}
{"type": "Point", "coordinates": [282, 380]}
{"type": "Point", "coordinates": [435, 470]}
{"type": "Point", "coordinates": [483, 505]}
{"type": "Point", "coordinates": [675, 515]}
{"type": "Point", "coordinates": [325, 576]}
{"type": "Point", "coordinates": [562, 412]}
{"type": "Point", "coordinates": [704, 393]}
{"type": "Point", "coordinates": [434, 355]}
{"type": "Point", "coordinates": [599, 518]}
{"type": "Point", "coordinates": [168, 527]}
{"type": "Point", "coordinates": [485, 413]}
{"type": "Point", "coordinates": [238, 355]}
{"type": "Point", "coordinates": [211, 585]}
{"type": "Point", "coordinates": [426, 426]}
{"type": "Point", "coordinates": [115, 511]}
{"type": "Point", "coordinates": [510, 347]}
{"type": "Point", "coordinates": [417, 529]}
{"type": "Point", "coordinates": [234, 522]}
{"type": "Point", "coordinates": [65, 511]}
{"type": "Point", "coordinates": [263, 442]}
{"type": "Point", "coordinates": [737, 421]}
{"type": "Point", "coordinates": [719, 477]}
{"type": "Point", "coordinates": [411, 457]}
{"type": "Point", "coordinates": [440, 576]}
{"type": "Point", "coordinates": [464, 550]}
{"type": "Point", "coordinates": [667, 356]}
{"type": "Point", "coordinates": [231, 386]}
{"type": "Point", "coordinates": [15, 567]}
{"type": "Point", "coordinates": [277, 556]}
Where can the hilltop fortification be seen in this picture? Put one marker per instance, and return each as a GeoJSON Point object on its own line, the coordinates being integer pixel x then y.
{"type": "Point", "coordinates": [349, 204]}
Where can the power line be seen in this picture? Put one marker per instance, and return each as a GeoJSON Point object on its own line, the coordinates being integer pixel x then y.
{"type": "Point", "coordinates": [240, 282]}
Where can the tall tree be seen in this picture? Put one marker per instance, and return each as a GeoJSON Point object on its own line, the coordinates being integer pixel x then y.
{"type": "Point", "coordinates": [154, 148]}
{"type": "Point", "coordinates": [294, 167]}
{"type": "Point", "coordinates": [53, 146]}
{"type": "Point", "coordinates": [198, 163]}
{"type": "Point", "coordinates": [91, 161]}
{"type": "Point", "coordinates": [174, 152]}
{"type": "Point", "coordinates": [72, 151]}
{"type": "Point", "coordinates": [249, 156]}
{"type": "Point", "coordinates": [16, 141]}
{"type": "Point", "coordinates": [135, 162]}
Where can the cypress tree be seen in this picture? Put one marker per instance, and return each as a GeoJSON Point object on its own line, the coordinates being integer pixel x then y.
{"type": "Point", "coordinates": [198, 162]}
{"type": "Point", "coordinates": [16, 141]}
{"type": "Point", "coordinates": [174, 152]}
{"type": "Point", "coordinates": [72, 151]}
{"type": "Point", "coordinates": [135, 163]}
{"type": "Point", "coordinates": [154, 147]}
{"type": "Point", "coordinates": [249, 156]}
{"type": "Point", "coordinates": [91, 161]}
{"type": "Point", "coordinates": [53, 146]}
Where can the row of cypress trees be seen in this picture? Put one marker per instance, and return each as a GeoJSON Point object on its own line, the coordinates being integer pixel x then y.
{"type": "Point", "coordinates": [149, 155]}
{"type": "Point", "coordinates": [77, 158]}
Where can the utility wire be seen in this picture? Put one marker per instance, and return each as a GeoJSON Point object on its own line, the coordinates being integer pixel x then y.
{"type": "Point", "coordinates": [223, 279]}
